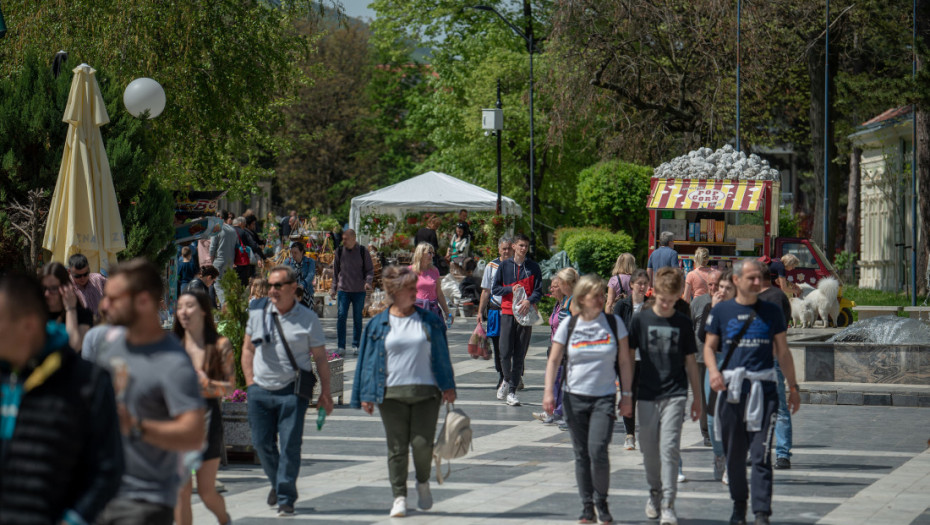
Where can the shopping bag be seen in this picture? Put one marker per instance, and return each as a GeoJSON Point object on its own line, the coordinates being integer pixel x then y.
{"type": "Point", "coordinates": [531, 317]}
{"type": "Point", "coordinates": [478, 344]}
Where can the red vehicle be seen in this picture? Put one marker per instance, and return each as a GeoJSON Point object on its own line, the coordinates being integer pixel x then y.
{"type": "Point", "coordinates": [733, 219]}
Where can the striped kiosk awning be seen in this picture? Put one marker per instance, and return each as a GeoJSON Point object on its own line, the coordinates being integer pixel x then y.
{"type": "Point", "coordinates": [705, 194]}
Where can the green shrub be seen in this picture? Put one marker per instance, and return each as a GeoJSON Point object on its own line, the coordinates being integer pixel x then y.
{"type": "Point", "coordinates": [596, 251]}
{"type": "Point", "coordinates": [546, 306]}
{"type": "Point", "coordinates": [562, 235]}
{"type": "Point", "coordinates": [234, 318]}
{"type": "Point", "coordinates": [613, 194]}
{"type": "Point", "coordinates": [787, 223]}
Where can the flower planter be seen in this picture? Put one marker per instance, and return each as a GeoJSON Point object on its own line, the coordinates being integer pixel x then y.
{"type": "Point", "coordinates": [237, 434]}
{"type": "Point", "coordinates": [336, 381]}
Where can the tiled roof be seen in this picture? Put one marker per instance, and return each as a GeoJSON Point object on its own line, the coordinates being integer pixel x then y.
{"type": "Point", "coordinates": [887, 115]}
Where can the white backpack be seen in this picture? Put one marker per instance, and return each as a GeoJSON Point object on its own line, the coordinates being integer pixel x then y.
{"type": "Point", "coordinates": [454, 440]}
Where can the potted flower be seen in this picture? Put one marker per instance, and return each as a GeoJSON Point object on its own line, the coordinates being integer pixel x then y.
{"type": "Point", "coordinates": [236, 430]}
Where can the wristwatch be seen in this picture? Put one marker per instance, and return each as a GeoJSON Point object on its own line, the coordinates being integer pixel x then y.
{"type": "Point", "coordinates": [136, 431]}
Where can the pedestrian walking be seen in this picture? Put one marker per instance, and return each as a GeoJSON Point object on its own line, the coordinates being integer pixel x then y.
{"type": "Point", "coordinates": [404, 368]}
{"type": "Point", "coordinates": [158, 398]}
{"type": "Point", "coordinates": [64, 306]}
{"type": "Point", "coordinates": [187, 268]}
{"type": "Point", "coordinates": [697, 283]}
{"type": "Point", "coordinates": [245, 246]}
{"type": "Point", "coordinates": [595, 349]}
{"type": "Point", "coordinates": [214, 363]}
{"type": "Point", "coordinates": [89, 285]}
{"type": "Point", "coordinates": [306, 271]}
{"type": "Point", "coordinates": [520, 271]}
{"type": "Point", "coordinates": [726, 290]}
{"type": "Point", "coordinates": [280, 339]}
{"type": "Point", "coordinates": [618, 286]}
{"type": "Point", "coordinates": [429, 286]}
{"type": "Point", "coordinates": [700, 307]}
{"type": "Point", "coordinates": [750, 334]}
{"type": "Point", "coordinates": [59, 433]}
{"type": "Point", "coordinates": [223, 247]}
{"type": "Point", "coordinates": [489, 305]}
{"type": "Point", "coordinates": [783, 441]}
{"type": "Point", "coordinates": [563, 286]}
{"type": "Point", "coordinates": [664, 255]}
{"type": "Point", "coordinates": [626, 309]}
{"type": "Point", "coordinates": [664, 338]}
{"type": "Point", "coordinates": [353, 273]}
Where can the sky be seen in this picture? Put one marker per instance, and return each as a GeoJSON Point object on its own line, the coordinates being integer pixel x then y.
{"type": "Point", "coordinates": [358, 8]}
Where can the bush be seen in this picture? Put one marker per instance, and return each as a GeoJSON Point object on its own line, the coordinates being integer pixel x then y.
{"type": "Point", "coordinates": [596, 251]}
{"type": "Point", "coordinates": [546, 306]}
{"type": "Point", "coordinates": [234, 317]}
{"type": "Point", "coordinates": [562, 235]}
{"type": "Point", "coordinates": [787, 223]}
{"type": "Point", "coordinates": [613, 195]}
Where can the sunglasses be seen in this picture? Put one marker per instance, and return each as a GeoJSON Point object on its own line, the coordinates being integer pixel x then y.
{"type": "Point", "coordinates": [80, 275]}
{"type": "Point", "coordinates": [278, 286]}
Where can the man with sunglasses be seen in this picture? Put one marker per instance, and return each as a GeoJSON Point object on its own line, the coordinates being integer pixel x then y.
{"type": "Point", "coordinates": [89, 285]}
{"type": "Point", "coordinates": [282, 326]}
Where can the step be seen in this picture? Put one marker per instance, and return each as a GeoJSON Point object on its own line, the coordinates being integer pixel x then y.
{"type": "Point", "coordinates": [865, 394]}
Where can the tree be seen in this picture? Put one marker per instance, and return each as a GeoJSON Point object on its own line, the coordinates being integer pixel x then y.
{"type": "Point", "coordinates": [227, 66]}
{"type": "Point", "coordinates": [613, 194]}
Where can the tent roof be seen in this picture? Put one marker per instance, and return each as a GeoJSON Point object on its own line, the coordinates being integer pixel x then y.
{"type": "Point", "coordinates": [431, 191]}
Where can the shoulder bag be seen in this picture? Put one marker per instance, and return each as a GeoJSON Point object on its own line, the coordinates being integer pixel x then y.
{"type": "Point", "coordinates": [304, 380]}
{"type": "Point", "coordinates": [712, 398]}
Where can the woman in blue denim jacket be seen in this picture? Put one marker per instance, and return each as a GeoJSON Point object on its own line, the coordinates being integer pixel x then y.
{"type": "Point", "coordinates": [305, 268]}
{"type": "Point", "coordinates": [404, 367]}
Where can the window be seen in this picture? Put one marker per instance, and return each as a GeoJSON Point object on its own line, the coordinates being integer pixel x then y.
{"type": "Point", "coordinates": [803, 253]}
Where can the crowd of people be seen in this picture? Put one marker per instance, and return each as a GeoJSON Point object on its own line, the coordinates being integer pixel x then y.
{"type": "Point", "coordinates": [107, 416]}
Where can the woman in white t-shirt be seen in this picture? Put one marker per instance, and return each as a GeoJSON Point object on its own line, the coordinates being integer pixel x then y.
{"type": "Point", "coordinates": [593, 349]}
{"type": "Point", "coordinates": [404, 368]}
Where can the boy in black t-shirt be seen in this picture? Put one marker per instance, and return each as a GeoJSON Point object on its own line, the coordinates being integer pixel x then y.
{"type": "Point", "coordinates": [667, 348]}
{"type": "Point", "coordinates": [747, 401]}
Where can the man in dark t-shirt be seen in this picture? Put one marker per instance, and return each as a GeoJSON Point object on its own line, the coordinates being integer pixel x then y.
{"type": "Point", "coordinates": [776, 296]}
{"type": "Point", "coordinates": [665, 340]}
{"type": "Point", "coordinates": [743, 421]}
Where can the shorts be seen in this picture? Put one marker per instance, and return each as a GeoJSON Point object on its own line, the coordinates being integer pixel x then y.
{"type": "Point", "coordinates": [494, 323]}
{"type": "Point", "coordinates": [214, 430]}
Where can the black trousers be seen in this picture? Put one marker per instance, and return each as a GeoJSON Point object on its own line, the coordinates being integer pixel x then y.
{"type": "Point", "coordinates": [702, 369]}
{"type": "Point", "coordinates": [737, 440]}
{"type": "Point", "coordinates": [514, 343]}
{"type": "Point", "coordinates": [629, 423]}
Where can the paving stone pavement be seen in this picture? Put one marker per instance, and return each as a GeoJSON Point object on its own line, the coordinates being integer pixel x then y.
{"type": "Point", "coordinates": [851, 464]}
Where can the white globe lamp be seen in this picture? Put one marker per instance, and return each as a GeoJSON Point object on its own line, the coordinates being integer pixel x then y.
{"type": "Point", "coordinates": [144, 94]}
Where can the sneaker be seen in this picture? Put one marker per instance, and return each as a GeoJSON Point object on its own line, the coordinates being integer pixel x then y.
{"type": "Point", "coordinates": [726, 479]}
{"type": "Point", "coordinates": [542, 416]}
{"type": "Point", "coordinates": [399, 510]}
{"type": "Point", "coordinates": [720, 466]}
{"type": "Point", "coordinates": [681, 477]}
{"type": "Point", "coordinates": [653, 503]}
{"type": "Point", "coordinates": [502, 391]}
{"type": "Point", "coordinates": [587, 514]}
{"type": "Point", "coordinates": [783, 463]}
{"type": "Point", "coordinates": [354, 349]}
{"type": "Point", "coordinates": [272, 498]}
{"type": "Point", "coordinates": [424, 497]}
{"type": "Point", "coordinates": [762, 518]}
{"type": "Point", "coordinates": [512, 399]}
{"type": "Point", "coordinates": [520, 386]}
{"type": "Point", "coordinates": [629, 443]}
{"type": "Point", "coordinates": [563, 425]}
{"type": "Point", "coordinates": [341, 352]}
{"type": "Point", "coordinates": [603, 513]}
{"type": "Point", "coordinates": [285, 511]}
{"type": "Point", "coordinates": [707, 442]}
{"type": "Point", "coordinates": [739, 513]}
{"type": "Point", "coordinates": [668, 516]}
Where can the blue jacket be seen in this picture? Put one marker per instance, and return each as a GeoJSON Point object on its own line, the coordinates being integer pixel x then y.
{"type": "Point", "coordinates": [370, 376]}
{"type": "Point", "coordinates": [306, 272]}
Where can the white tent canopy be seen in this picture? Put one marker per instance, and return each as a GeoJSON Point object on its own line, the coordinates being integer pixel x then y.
{"type": "Point", "coordinates": [432, 191]}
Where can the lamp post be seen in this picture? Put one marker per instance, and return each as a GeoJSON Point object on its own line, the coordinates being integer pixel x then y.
{"type": "Point", "coordinates": [144, 97]}
{"type": "Point", "coordinates": [531, 47]}
{"type": "Point", "coordinates": [492, 120]}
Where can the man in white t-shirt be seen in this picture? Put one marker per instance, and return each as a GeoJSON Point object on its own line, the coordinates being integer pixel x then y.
{"type": "Point", "coordinates": [493, 302]}
{"type": "Point", "coordinates": [275, 411]}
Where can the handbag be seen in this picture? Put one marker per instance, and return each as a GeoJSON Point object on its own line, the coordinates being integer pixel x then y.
{"type": "Point", "coordinates": [242, 253]}
{"type": "Point", "coordinates": [304, 380]}
{"type": "Point", "coordinates": [454, 440]}
{"type": "Point", "coordinates": [712, 398]}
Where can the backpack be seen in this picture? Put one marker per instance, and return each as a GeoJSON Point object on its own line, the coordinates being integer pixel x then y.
{"type": "Point", "coordinates": [454, 440]}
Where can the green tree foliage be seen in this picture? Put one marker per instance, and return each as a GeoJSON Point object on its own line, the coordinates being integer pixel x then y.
{"type": "Point", "coordinates": [613, 194]}
{"type": "Point", "coordinates": [233, 319]}
{"type": "Point", "coordinates": [594, 250]}
{"type": "Point", "coordinates": [149, 220]}
{"type": "Point", "coordinates": [227, 66]}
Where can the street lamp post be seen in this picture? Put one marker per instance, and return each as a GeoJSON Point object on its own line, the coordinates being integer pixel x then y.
{"type": "Point", "coordinates": [531, 47]}
{"type": "Point", "coordinates": [492, 120]}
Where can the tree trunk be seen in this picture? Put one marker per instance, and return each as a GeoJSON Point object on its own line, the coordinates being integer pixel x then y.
{"type": "Point", "coordinates": [852, 206]}
{"type": "Point", "coordinates": [816, 70]}
{"type": "Point", "coordinates": [922, 121]}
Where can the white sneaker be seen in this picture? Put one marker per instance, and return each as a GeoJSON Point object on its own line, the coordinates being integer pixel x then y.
{"type": "Point", "coordinates": [354, 350]}
{"type": "Point", "coordinates": [652, 504]}
{"type": "Point", "coordinates": [726, 479]}
{"type": "Point", "coordinates": [630, 442]}
{"type": "Point", "coordinates": [502, 390]}
{"type": "Point", "coordinates": [399, 510]}
{"type": "Point", "coordinates": [681, 477]}
{"type": "Point", "coordinates": [668, 516]}
{"type": "Point", "coordinates": [512, 400]}
{"type": "Point", "coordinates": [424, 497]}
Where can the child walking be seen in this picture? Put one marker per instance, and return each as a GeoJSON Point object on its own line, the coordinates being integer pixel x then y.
{"type": "Point", "coordinates": [665, 340]}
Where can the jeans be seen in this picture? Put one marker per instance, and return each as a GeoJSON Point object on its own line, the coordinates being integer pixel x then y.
{"type": "Point", "coordinates": [783, 423]}
{"type": "Point", "coordinates": [715, 441]}
{"type": "Point", "coordinates": [591, 422]}
{"type": "Point", "coordinates": [409, 423]}
{"type": "Point", "coordinates": [660, 440]}
{"type": "Point", "coordinates": [358, 303]}
{"type": "Point", "coordinates": [274, 415]}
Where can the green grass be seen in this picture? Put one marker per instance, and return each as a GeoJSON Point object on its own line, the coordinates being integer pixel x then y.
{"type": "Point", "coordinates": [869, 297]}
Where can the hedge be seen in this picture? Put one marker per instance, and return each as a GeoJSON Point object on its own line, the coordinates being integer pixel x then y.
{"type": "Point", "coordinates": [594, 250]}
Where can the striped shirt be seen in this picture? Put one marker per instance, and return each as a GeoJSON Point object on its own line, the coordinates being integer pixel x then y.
{"type": "Point", "coordinates": [92, 292]}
